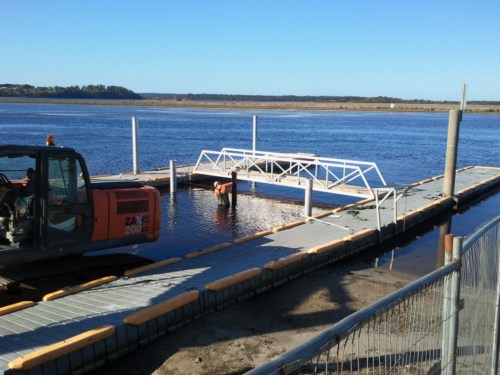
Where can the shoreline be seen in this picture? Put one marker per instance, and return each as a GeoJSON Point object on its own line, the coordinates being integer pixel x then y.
{"type": "Point", "coordinates": [252, 105]}
{"type": "Point", "coordinates": [232, 341]}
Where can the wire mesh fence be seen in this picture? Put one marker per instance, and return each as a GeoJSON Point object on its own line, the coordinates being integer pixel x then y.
{"type": "Point", "coordinates": [444, 323]}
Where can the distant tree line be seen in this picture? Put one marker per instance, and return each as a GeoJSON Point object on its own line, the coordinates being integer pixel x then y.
{"type": "Point", "coordinates": [71, 92]}
{"type": "Point", "coordinates": [118, 92]}
{"type": "Point", "coordinates": [299, 98]}
{"type": "Point", "coordinates": [272, 98]}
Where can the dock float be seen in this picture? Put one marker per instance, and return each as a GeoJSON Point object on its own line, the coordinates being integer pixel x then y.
{"type": "Point", "coordinates": [100, 322]}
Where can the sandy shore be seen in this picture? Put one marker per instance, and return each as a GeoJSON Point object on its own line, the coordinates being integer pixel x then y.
{"type": "Point", "coordinates": [300, 106]}
{"type": "Point", "coordinates": [243, 336]}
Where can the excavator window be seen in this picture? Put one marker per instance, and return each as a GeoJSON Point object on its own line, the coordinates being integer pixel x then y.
{"type": "Point", "coordinates": [67, 194]}
{"type": "Point", "coordinates": [68, 202]}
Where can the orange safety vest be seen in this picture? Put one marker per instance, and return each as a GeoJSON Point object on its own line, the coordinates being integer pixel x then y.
{"type": "Point", "coordinates": [223, 188]}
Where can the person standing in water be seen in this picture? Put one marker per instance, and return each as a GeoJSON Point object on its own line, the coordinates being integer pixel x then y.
{"type": "Point", "coordinates": [221, 191]}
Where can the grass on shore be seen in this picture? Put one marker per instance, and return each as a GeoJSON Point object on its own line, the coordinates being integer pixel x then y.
{"type": "Point", "coordinates": [302, 106]}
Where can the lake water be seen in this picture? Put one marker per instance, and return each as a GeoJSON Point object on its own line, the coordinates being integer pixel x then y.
{"type": "Point", "coordinates": [407, 147]}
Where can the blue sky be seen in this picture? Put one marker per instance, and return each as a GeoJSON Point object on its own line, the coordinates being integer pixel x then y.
{"type": "Point", "coordinates": [422, 49]}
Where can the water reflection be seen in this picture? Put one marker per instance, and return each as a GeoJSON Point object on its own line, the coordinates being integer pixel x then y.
{"type": "Point", "coordinates": [426, 253]}
{"type": "Point", "coordinates": [444, 229]}
{"type": "Point", "coordinates": [172, 209]}
{"type": "Point", "coordinates": [253, 213]}
{"type": "Point", "coordinates": [226, 219]}
{"type": "Point", "coordinates": [192, 220]}
{"type": "Point", "coordinates": [196, 221]}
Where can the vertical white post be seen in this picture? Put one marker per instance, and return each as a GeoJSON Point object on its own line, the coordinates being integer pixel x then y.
{"type": "Point", "coordinates": [463, 102]}
{"type": "Point", "coordinates": [135, 149]}
{"type": "Point", "coordinates": [377, 206]}
{"type": "Point", "coordinates": [395, 207]}
{"type": "Point", "coordinates": [173, 177]}
{"type": "Point", "coordinates": [308, 198]}
{"type": "Point", "coordinates": [254, 144]}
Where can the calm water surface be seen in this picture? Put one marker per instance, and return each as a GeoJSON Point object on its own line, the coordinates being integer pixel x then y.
{"type": "Point", "coordinates": [407, 147]}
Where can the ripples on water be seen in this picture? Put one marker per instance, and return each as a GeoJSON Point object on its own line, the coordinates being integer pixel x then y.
{"type": "Point", "coordinates": [421, 256]}
{"type": "Point", "coordinates": [407, 147]}
{"type": "Point", "coordinates": [192, 221]}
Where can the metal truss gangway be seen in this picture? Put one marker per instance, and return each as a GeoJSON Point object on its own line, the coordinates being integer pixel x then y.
{"type": "Point", "coordinates": [338, 176]}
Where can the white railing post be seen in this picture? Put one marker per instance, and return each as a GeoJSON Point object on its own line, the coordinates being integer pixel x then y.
{"type": "Point", "coordinates": [135, 147]}
{"type": "Point", "coordinates": [395, 216]}
{"type": "Point", "coordinates": [308, 197]}
{"type": "Point", "coordinates": [377, 205]}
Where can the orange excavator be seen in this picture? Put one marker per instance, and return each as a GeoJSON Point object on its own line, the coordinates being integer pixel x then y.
{"type": "Point", "coordinates": [50, 208]}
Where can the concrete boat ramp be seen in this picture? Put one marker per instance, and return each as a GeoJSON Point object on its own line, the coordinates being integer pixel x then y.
{"type": "Point", "coordinates": [81, 328]}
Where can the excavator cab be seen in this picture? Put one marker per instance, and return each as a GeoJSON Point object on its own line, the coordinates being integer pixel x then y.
{"type": "Point", "coordinates": [50, 208]}
{"type": "Point", "coordinates": [68, 201]}
{"type": "Point", "coordinates": [45, 198]}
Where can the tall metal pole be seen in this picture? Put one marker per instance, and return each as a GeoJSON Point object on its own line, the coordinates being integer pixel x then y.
{"type": "Point", "coordinates": [451, 152]}
{"type": "Point", "coordinates": [254, 143]}
{"type": "Point", "coordinates": [135, 150]}
{"type": "Point", "coordinates": [173, 177]}
{"type": "Point", "coordinates": [450, 167]}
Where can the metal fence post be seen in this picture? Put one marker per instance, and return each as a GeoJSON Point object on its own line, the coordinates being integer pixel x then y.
{"type": "Point", "coordinates": [447, 292]}
{"type": "Point", "coordinates": [455, 304]}
{"type": "Point", "coordinates": [496, 336]}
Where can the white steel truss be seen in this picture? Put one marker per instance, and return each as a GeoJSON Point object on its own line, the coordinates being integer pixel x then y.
{"type": "Point", "coordinates": [338, 176]}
